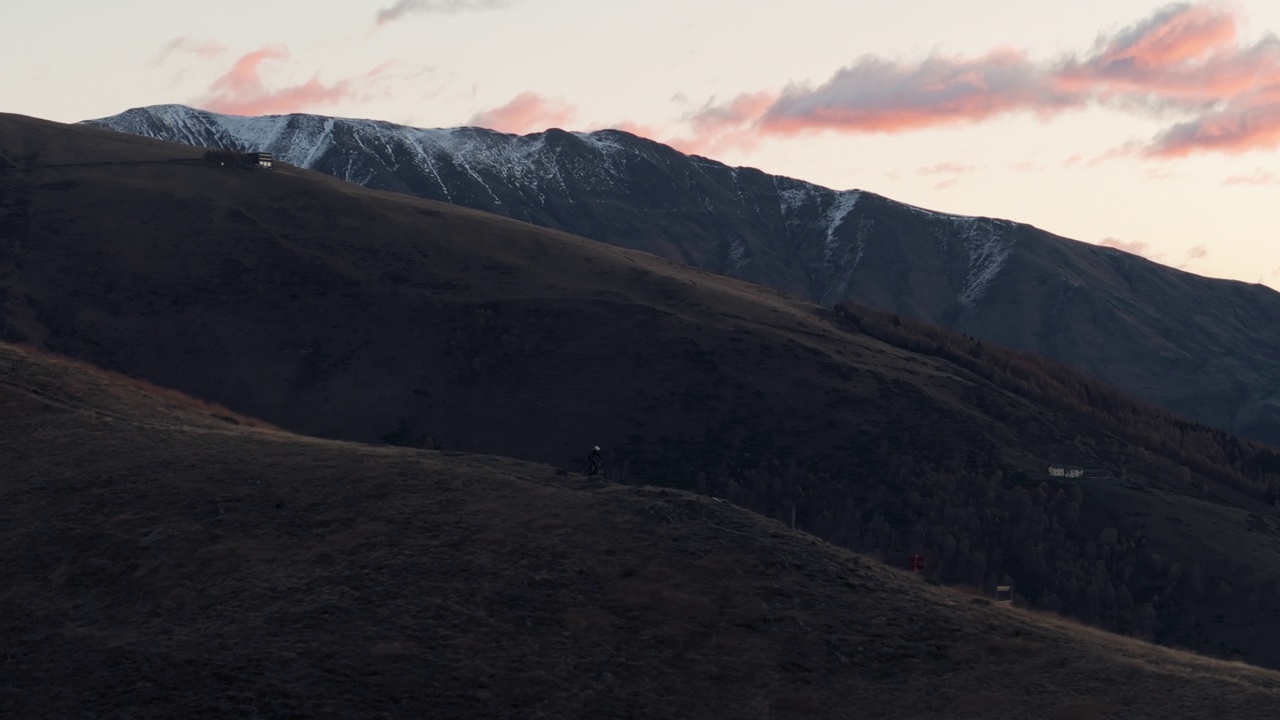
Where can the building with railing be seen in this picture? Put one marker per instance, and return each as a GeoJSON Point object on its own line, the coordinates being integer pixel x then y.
{"type": "Point", "coordinates": [1064, 471]}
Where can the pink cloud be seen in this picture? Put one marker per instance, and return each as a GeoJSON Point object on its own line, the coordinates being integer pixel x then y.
{"type": "Point", "coordinates": [242, 90]}
{"type": "Point", "coordinates": [1257, 177]}
{"type": "Point", "coordinates": [715, 128]}
{"type": "Point", "coordinates": [1026, 167]}
{"type": "Point", "coordinates": [946, 184]}
{"type": "Point", "coordinates": [648, 132]}
{"type": "Point", "coordinates": [720, 127]}
{"type": "Point", "coordinates": [1241, 127]}
{"type": "Point", "coordinates": [875, 95]}
{"type": "Point", "coordinates": [525, 113]}
{"type": "Point", "coordinates": [1173, 34]}
{"type": "Point", "coordinates": [1197, 252]}
{"type": "Point", "coordinates": [1176, 52]}
{"type": "Point", "coordinates": [1183, 59]}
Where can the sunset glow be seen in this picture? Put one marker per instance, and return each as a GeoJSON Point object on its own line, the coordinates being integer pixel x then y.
{"type": "Point", "coordinates": [1150, 127]}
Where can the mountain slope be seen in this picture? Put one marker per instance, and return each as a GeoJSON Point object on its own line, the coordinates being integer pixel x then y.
{"type": "Point", "coordinates": [1204, 348]}
{"type": "Point", "coordinates": [162, 561]}
{"type": "Point", "coordinates": [342, 312]}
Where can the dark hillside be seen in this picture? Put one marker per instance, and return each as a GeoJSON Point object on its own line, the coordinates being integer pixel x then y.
{"type": "Point", "coordinates": [341, 312]}
{"type": "Point", "coordinates": [160, 561]}
{"type": "Point", "coordinates": [1204, 348]}
{"type": "Point", "coordinates": [1248, 467]}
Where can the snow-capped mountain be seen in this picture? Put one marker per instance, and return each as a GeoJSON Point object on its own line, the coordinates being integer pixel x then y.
{"type": "Point", "coordinates": [606, 185]}
{"type": "Point", "coordinates": [1205, 348]}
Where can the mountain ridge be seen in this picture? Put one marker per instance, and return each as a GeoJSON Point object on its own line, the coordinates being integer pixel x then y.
{"type": "Point", "coordinates": [1201, 347]}
{"type": "Point", "coordinates": [305, 140]}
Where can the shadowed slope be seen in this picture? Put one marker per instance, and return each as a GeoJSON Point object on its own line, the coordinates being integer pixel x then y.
{"type": "Point", "coordinates": [158, 564]}
{"type": "Point", "coordinates": [1201, 347]}
{"type": "Point", "coordinates": [336, 311]}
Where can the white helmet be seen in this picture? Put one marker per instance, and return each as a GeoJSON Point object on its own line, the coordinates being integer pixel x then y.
{"type": "Point", "coordinates": [596, 448]}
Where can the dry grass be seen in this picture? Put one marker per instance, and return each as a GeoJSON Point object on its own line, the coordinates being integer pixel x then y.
{"type": "Point", "coordinates": [71, 382]}
{"type": "Point", "coordinates": [159, 565]}
{"type": "Point", "coordinates": [340, 312]}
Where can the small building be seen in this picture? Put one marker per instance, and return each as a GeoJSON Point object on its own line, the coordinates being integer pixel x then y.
{"type": "Point", "coordinates": [263, 160]}
{"type": "Point", "coordinates": [1077, 472]}
{"type": "Point", "coordinates": [1004, 595]}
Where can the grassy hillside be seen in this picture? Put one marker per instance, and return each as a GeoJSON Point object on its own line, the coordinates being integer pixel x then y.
{"type": "Point", "coordinates": [1202, 347]}
{"type": "Point", "coordinates": [161, 560]}
{"type": "Point", "coordinates": [340, 312]}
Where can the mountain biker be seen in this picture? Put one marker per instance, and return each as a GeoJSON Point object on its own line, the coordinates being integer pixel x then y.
{"type": "Point", "coordinates": [595, 463]}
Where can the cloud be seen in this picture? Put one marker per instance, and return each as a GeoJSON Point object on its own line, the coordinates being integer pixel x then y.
{"type": "Point", "coordinates": [638, 129]}
{"type": "Point", "coordinates": [1241, 127]}
{"type": "Point", "coordinates": [951, 169]}
{"type": "Point", "coordinates": [945, 168]}
{"type": "Point", "coordinates": [715, 127]}
{"type": "Point", "coordinates": [1027, 167]}
{"type": "Point", "coordinates": [188, 45]}
{"type": "Point", "coordinates": [1183, 60]}
{"type": "Point", "coordinates": [1136, 247]}
{"type": "Point", "coordinates": [530, 112]}
{"type": "Point", "coordinates": [875, 95]}
{"type": "Point", "coordinates": [1181, 54]}
{"type": "Point", "coordinates": [1257, 177]}
{"type": "Point", "coordinates": [243, 91]}
{"type": "Point", "coordinates": [1196, 252]}
{"type": "Point", "coordinates": [526, 113]}
{"type": "Point", "coordinates": [401, 8]}
{"type": "Point", "coordinates": [1117, 243]}
{"type": "Point", "coordinates": [715, 120]}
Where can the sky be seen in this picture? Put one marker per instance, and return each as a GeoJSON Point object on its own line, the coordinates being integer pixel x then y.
{"type": "Point", "coordinates": [1147, 126]}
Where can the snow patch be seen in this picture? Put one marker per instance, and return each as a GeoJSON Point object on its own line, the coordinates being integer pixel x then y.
{"type": "Point", "coordinates": [737, 253]}
{"type": "Point", "coordinates": [934, 214]}
{"type": "Point", "coordinates": [529, 164]}
{"type": "Point", "coordinates": [836, 214]}
{"type": "Point", "coordinates": [794, 195]}
{"type": "Point", "coordinates": [303, 140]}
{"type": "Point", "coordinates": [988, 244]}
